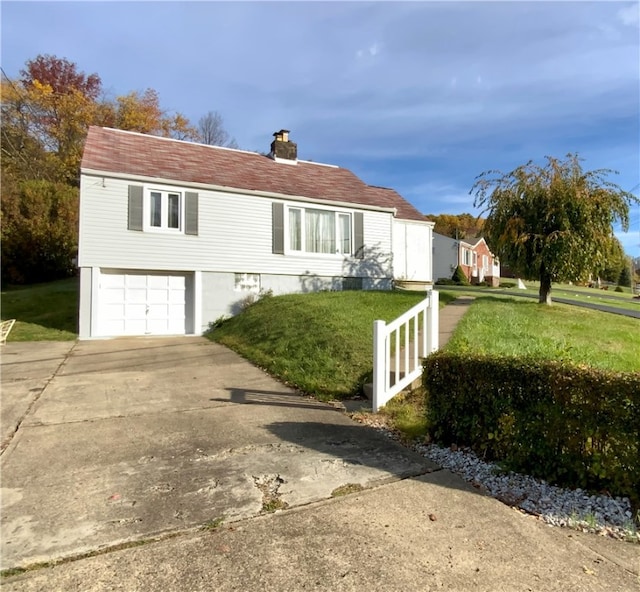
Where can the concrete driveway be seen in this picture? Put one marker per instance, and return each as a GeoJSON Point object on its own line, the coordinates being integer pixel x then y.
{"type": "Point", "coordinates": [126, 439]}
{"type": "Point", "coordinates": [128, 453]}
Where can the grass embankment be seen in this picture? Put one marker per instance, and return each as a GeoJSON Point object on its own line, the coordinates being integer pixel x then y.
{"type": "Point", "coordinates": [43, 312]}
{"type": "Point", "coordinates": [509, 326]}
{"type": "Point", "coordinates": [321, 343]}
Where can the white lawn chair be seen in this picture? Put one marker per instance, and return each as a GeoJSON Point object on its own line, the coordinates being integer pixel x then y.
{"type": "Point", "coordinates": [5, 329]}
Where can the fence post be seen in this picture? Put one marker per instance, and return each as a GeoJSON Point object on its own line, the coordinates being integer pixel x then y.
{"type": "Point", "coordinates": [379, 363]}
{"type": "Point", "coordinates": [433, 325]}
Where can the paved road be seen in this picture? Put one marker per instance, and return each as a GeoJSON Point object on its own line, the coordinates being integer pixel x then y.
{"type": "Point", "coordinates": [592, 305]}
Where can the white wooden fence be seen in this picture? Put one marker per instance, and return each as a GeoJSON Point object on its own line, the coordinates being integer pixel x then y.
{"type": "Point", "coordinates": [400, 346]}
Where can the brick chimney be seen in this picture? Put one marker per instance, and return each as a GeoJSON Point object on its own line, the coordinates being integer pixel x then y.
{"type": "Point", "coordinates": [283, 150]}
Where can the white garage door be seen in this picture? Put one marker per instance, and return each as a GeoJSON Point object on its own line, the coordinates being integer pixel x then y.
{"type": "Point", "coordinates": [141, 303]}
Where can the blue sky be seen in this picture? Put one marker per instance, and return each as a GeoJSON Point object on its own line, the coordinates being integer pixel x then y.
{"type": "Point", "coordinates": [418, 96]}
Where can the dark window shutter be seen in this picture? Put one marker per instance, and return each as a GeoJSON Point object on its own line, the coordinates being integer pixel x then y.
{"type": "Point", "coordinates": [136, 196]}
{"type": "Point", "coordinates": [358, 235]}
{"type": "Point", "coordinates": [277, 224]}
{"type": "Point", "coordinates": [191, 213]}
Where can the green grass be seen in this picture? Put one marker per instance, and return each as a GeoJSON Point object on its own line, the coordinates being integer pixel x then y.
{"type": "Point", "coordinates": [347, 489]}
{"type": "Point", "coordinates": [43, 312]}
{"type": "Point", "coordinates": [407, 413]}
{"type": "Point", "coordinates": [321, 343]}
{"type": "Point", "coordinates": [511, 326]}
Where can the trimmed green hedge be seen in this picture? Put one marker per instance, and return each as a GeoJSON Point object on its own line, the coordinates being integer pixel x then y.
{"type": "Point", "coordinates": [572, 425]}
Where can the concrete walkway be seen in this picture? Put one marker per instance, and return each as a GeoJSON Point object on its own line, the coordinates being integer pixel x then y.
{"type": "Point", "coordinates": [450, 316]}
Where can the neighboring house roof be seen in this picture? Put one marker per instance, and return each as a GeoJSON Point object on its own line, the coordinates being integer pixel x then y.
{"type": "Point", "coordinates": [474, 241]}
{"type": "Point", "coordinates": [118, 151]}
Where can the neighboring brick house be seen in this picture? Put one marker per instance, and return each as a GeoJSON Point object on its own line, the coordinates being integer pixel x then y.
{"type": "Point", "coordinates": [472, 255]}
{"type": "Point", "coordinates": [175, 234]}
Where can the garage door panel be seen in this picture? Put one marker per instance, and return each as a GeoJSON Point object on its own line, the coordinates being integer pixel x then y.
{"type": "Point", "coordinates": [137, 281]}
{"type": "Point", "coordinates": [157, 281]}
{"type": "Point", "coordinates": [117, 327]}
{"type": "Point", "coordinates": [135, 327]}
{"type": "Point", "coordinates": [114, 295]}
{"type": "Point", "coordinates": [114, 310]}
{"type": "Point", "coordinates": [175, 326]}
{"type": "Point", "coordinates": [158, 311]}
{"type": "Point", "coordinates": [141, 304]}
{"type": "Point", "coordinates": [176, 311]}
{"type": "Point", "coordinates": [137, 295]}
{"type": "Point", "coordinates": [155, 296]}
{"type": "Point", "coordinates": [135, 311]}
{"type": "Point", "coordinates": [176, 282]}
{"type": "Point", "coordinates": [112, 280]}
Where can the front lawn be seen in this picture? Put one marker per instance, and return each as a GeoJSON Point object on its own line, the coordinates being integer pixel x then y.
{"type": "Point", "coordinates": [513, 326]}
{"type": "Point", "coordinates": [321, 343]}
{"type": "Point", "coordinates": [43, 312]}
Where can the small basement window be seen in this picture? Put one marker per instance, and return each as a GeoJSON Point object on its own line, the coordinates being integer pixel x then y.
{"type": "Point", "coordinates": [247, 282]}
{"type": "Point", "coordinates": [352, 283]}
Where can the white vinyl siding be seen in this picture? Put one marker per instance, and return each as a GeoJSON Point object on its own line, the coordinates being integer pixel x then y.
{"type": "Point", "coordinates": [445, 256]}
{"type": "Point", "coordinates": [412, 250]}
{"type": "Point", "coordinates": [234, 235]}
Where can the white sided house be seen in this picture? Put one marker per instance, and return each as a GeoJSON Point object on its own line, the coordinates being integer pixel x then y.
{"type": "Point", "coordinates": [174, 235]}
{"type": "Point", "coordinates": [475, 258]}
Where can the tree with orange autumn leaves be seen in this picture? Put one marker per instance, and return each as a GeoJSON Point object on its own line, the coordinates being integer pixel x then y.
{"type": "Point", "coordinates": [46, 113]}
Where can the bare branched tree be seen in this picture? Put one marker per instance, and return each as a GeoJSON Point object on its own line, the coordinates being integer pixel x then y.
{"type": "Point", "coordinates": [212, 132]}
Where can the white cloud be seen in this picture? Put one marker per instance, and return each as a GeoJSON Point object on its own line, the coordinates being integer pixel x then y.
{"type": "Point", "coordinates": [630, 15]}
{"type": "Point", "coordinates": [371, 51]}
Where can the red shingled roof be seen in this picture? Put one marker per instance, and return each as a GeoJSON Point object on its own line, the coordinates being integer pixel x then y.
{"type": "Point", "coordinates": [117, 151]}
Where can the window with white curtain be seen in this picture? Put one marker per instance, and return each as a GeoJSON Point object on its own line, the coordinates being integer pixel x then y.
{"type": "Point", "coordinates": [314, 230]}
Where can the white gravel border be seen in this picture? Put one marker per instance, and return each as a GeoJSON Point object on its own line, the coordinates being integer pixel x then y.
{"type": "Point", "coordinates": [572, 508]}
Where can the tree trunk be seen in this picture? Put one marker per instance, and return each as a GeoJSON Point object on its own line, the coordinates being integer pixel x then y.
{"type": "Point", "coordinates": [545, 288]}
